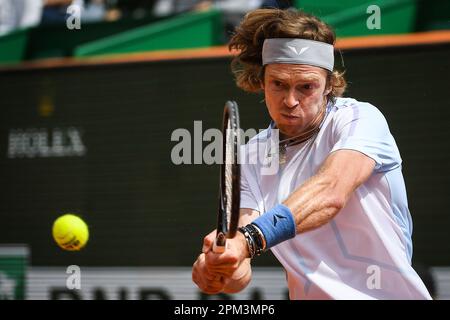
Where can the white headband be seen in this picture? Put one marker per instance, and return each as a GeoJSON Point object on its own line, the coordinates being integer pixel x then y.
{"type": "Point", "coordinates": [298, 51]}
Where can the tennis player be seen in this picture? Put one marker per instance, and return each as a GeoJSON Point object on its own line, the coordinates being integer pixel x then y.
{"type": "Point", "coordinates": [335, 211]}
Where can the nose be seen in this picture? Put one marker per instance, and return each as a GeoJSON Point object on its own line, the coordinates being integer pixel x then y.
{"type": "Point", "coordinates": [291, 100]}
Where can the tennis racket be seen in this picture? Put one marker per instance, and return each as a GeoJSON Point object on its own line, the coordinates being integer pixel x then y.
{"type": "Point", "coordinates": [230, 179]}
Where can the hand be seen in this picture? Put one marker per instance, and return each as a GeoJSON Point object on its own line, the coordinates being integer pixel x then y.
{"type": "Point", "coordinates": [206, 281]}
{"type": "Point", "coordinates": [227, 263]}
{"type": "Point", "coordinates": [214, 273]}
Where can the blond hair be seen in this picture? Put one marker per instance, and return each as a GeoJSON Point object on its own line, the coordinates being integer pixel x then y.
{"type": "Point", "coordinates": [262, 24]}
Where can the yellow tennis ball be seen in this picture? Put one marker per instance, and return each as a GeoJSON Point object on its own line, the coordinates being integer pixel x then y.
{"type": "Point", "coordinates": [70, 232]}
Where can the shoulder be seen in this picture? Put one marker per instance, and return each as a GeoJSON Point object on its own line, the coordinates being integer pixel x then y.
{"type": "Point", "coordinates": [345, 110]}
{"type": "Point", "coordinates": [350, 105]}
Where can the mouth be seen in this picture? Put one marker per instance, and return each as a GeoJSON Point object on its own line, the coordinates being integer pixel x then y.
{"type": "Point", "coordinates": [289, 116]}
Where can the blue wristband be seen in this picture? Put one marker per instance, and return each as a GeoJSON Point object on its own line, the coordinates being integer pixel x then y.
{"type": "Point", "coordinates": [277, 225]}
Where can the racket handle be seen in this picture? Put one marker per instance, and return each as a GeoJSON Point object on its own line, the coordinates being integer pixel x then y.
{"type": "Point", "coordinates": [219, 243]}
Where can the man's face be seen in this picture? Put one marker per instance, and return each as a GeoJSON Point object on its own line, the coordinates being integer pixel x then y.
{"type": "Point", "coordinates": [295, 94]}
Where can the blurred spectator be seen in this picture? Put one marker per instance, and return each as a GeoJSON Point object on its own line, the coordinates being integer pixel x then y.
{"type": "Point", "coordinates": [280, 4]}
{"type": "Point", "coordinates": [135, 9]}
{"type": "Point", "coordinates": [93, 11]}
{"type": "Point", "coordinates": [15, 14]}
{"type": "Point", "coordinates": [55, 11]}
{"type": "Point", "coordinates": [166, 7]}
{"type": "Point", "coordinates": [169, 7]}
{"type": "Point", "coordinates": [233, 10]}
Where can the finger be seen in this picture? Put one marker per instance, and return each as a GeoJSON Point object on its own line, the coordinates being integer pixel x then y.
{"type": "Point", "coordinates": [212, 290]}
{"type": "Point", "coordinates": [200, 272]}
{"type": "Point", "coordinates": [211, 286]}
{"type": "Point", "coordinates": [225, 259]}
{"type": "Point", "coordinates": [200, 260]}
{"type": "Point", "coordinates": [224, 270]}
{"type": "Point", "coordinates": [221, 274]}
{"type": "Point", "coordinates": [208, 241]}
{"type": "Point", "coordinates": [211, 276]}
{"type": "Point", "coordinates": [196, 269]}
{"type": "Point", "coordinates": [214, 287]}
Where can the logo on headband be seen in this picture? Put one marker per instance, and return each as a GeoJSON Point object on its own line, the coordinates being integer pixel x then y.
{"type": "Point", "coordinates": [295, 50]}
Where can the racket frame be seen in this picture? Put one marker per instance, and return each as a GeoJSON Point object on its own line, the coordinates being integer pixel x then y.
{"type": "Point", "coordinates": [227, 230]}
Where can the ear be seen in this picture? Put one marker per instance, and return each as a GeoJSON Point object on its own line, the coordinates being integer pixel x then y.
{"type": "Point", "coordinates": [262, 77]}
{"type": "Point", "coordinates": [261, 84]}
{"type": "Point", "coordinates": [328, 86]}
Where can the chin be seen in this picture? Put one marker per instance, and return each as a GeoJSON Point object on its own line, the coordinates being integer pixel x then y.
{"type": "Point", "coordinates": [290, 129]}
{"type": "Point", "coordinates": [290, 133]}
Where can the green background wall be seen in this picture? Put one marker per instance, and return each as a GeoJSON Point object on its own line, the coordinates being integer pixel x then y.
{"type": "Point", "coordinates": [142, 209]}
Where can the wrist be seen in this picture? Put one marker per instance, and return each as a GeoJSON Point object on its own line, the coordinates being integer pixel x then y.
{"type": "Point", "coordinates": [256, 243]}
{"type": "Point", "coordinates": [273, 227]}
{"type": "Point", "coordinates": [244, 245]}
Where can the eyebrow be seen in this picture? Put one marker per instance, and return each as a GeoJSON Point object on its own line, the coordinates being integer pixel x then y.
{"type": "Point", "coordinates": [300, 79]}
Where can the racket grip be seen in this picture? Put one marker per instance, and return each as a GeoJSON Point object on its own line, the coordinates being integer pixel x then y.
{"type": "Point", "coordinates": [219, 243]}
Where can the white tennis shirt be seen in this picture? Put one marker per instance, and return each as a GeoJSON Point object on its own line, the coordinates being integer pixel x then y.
{"type": "Point", "coordinates": [365, 251]}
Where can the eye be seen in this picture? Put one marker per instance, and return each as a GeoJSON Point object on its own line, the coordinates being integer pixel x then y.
{"type": "Point", "coordinates": [307, 86]}
{"type": "Point", "coordinates": [277, 83]}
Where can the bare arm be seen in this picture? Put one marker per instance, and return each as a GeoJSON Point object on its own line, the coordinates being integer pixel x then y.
{"type": "Point", "coordinates": [313, 204]}
{"type": "Point", "coordinates": [321, 197]}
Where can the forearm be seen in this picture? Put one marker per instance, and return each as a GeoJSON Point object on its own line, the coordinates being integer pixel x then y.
{"type": "Point", "coordinates": [316, 202]}
{"type": "Point", "coordinates": [321, 197]}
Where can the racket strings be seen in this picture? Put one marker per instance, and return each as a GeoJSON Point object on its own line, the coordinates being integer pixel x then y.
{"type": "Point", "coordinates": [229, 161]}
